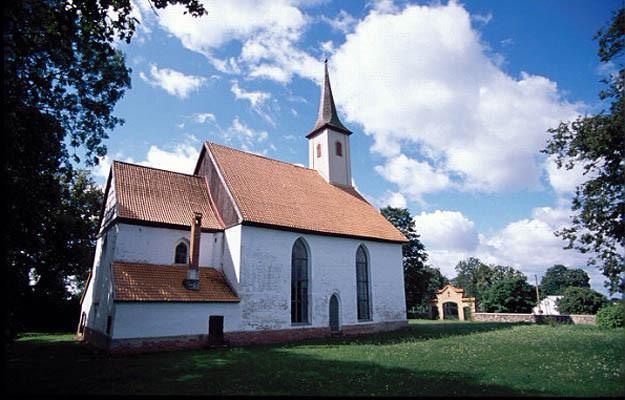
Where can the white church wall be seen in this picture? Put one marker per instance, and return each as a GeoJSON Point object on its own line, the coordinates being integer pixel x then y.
{"type": "Point", "coordinates": [98, 299]}
{"type": "Point", "coordinates": [231, 260]}
{"type": "Point", "coordinates": [265, 286]}
{"type": "Point", "coordinates": [339, 166]}
{"type": "Point", "coordinates": [145, 320]}
{"type": "Point", "coordinates": [153, 245]}
{"type": "Point", "coordinates": [320, 164]}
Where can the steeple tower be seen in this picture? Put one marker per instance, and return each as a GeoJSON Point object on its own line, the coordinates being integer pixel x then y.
{"type": "Point", "coordinates": [328, 141]}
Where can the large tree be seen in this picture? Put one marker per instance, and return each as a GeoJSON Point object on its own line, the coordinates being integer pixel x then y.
{"type": "Point", "coordinates": [559, 277]}
{"type": "Point", "coordinates": [509, 294]}
{"type": "Point", "coordinates": [577, 300]}
{"type": "Point", "coordinates": [62, 77]}
{"type": "Point", "coordinates": [597, 142]}
{"type": "Point", "coordinates": [416, 277]}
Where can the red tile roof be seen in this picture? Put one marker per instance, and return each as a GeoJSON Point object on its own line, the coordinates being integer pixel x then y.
{"type": "Point", "coordinates": [149, 282]}
{"type": "Point", "coordinates": [155, 195]}
{"type": "Point", "coordinates": [276, 193]}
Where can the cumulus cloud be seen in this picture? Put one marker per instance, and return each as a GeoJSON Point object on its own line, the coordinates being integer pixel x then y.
{"type": "Point", "coordinates": [241, 135]}
{"type": "Point", "coordinates": [202, 118]}
{"type": "Point", "coordinates": [267, 30]}
{"type": "Point", "coordinates": [180, 158]}
{"type": "Point", "coordinates": [565, 180]}
{"type": "Point", "coordinates": [173, 82]}
{"type": "Point", "coordinates": [528, 244]}
{"type": "Point", "coordinates": [420, 80]}
{"type": "Point", "coordinates": [449, 230]}
{"type": "Point", "coordinates": [413, 177]}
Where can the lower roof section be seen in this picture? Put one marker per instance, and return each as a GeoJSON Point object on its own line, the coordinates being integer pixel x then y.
{"type": "Point", "coordinates": [164, 283]}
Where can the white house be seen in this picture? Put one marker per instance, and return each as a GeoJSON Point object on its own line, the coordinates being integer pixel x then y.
{"type": "Point", "coordinates": [547, 306]}
{"type": "Point", "coordinates": [247, 249]}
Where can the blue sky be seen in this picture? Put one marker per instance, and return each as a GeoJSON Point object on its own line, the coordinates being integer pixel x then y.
{"type": "Point", "coordinates": [449, 103]}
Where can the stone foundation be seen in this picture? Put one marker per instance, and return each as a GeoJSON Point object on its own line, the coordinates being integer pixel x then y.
{"type": "Point", "coordinates": [535, 318]}
{"type": "Point", "coordinates": [243, 338]}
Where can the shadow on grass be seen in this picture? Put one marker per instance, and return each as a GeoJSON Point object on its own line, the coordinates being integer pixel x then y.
{"type": "Point", "coordinates": [69, 367]}
{"type": "Point", "coordinates": [418, 332]}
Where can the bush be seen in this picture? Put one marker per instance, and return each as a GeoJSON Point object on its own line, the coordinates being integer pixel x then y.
{"type": "Point", "coordinates": [612, 316]}
{"type": "Point", "coordinates": [578, 300]}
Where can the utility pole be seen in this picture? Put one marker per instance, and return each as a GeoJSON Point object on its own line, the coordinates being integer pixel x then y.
{"type": "Point", "coordinates": [537, 295]}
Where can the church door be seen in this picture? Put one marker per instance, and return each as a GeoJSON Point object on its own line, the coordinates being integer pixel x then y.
{"type": "Point", "coordinates": [334, 313]}
{"type": "Point", "coordinates": [216, 330]}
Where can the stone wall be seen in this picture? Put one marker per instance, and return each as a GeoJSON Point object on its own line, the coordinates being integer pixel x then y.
{"type": "Point", "coordinates": [535, 318]}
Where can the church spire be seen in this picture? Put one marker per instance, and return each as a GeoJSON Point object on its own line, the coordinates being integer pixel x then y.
{"type": "Point", "coordinates": [327, 117]}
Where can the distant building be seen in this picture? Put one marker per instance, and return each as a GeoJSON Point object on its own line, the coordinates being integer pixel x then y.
{"type": "Point", "coordinates": [547, 306]}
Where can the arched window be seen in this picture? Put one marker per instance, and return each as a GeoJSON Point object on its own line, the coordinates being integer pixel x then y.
{"type": "Point", "coordinates": [318, 150]}
{"type": "Point", "coordinates": [339, 149]}
{"type": "Point", "coordinates": [362, 284]}
{"type": "Point", "coordinates": [182, 253]}
{"type": "Point", "coordinates": [299, 283]}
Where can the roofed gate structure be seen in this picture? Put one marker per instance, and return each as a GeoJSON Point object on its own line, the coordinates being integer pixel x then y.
{"type": "Point", "coordinates": [452, 298]}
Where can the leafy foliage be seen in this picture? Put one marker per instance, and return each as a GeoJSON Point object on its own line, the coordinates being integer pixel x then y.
{"type": "Point", "coordinates": [559, 277]}
{"type": "Point", "coordinates": [576, 300]}
{"type": "Point", "coordinates": [420, 281]}
{"type": "Point", "coordinates": [509, 294]}
{"type": "Point", "coordinates": [476, 278]}
{"type": "Point", "coordinates": [612, 316]}
{"type": "Point", "coordinates": [597, 143]}
{"type": "Point", "coordinates": [62, 76]}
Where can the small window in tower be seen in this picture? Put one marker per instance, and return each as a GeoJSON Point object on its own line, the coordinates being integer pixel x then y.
{"type": "Point", "coordinates": [339, 149]}
{"type": "Point", "coordinates": [318, 150]}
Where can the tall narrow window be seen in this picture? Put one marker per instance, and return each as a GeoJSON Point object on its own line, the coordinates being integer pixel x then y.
{"type": "Point", "coordinates": [339, 149]}
{"type": "Point", "coordinates": [182, 253]}
{"type": "Point", "coordinates": [299, 283]}
{"type": "Point", "coordinates": [362, 284]}
{"type": "Point", "coordinates": [318, 150]}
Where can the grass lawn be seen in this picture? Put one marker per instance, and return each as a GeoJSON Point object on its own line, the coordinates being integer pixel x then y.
{"type": "Point", "coordinates": [430, 358]}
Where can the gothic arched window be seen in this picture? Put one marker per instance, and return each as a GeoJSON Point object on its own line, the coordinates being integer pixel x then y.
{"type": "Point", "coordinates": [362, 284]}
{"type": "Point", "coordinates": [299, 283]}
{"type": "Point", "coordinates": [182, 253]}
{"type": "Point", "coordinates": [339, 149]}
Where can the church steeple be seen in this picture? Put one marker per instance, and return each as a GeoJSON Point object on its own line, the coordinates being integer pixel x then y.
{"type": "Point", "coordinates": [327, 116]}
{"type": "Point", "coordinates": [328, 142]}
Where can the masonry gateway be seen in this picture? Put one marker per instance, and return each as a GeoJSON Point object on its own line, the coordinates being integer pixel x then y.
{"type": "Point", "coordinates": [246, 250]}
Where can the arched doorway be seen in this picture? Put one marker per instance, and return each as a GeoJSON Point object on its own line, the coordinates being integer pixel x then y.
{"type": "Point", "coordinates": [334, 314]}
{"type": "Point", "coordinates": [450, 310]}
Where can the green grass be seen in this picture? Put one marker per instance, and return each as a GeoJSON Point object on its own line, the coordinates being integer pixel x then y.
{"type": "Point", "coordinates": [429, 359]}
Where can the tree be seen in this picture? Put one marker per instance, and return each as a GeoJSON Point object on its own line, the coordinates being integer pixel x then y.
{"type": "Point", "coordinates": [414, 257]}
{"type": "Point", "coordinates": [475, 277]}
{"type": "Point", "coordinates": [62, 77]}
{"type": "Point", "coordinates": [559, 277]}
{"type": "Point", "coordinates": [578, 300]}
{"type": "Point", "coordinates": [510, 294]}
{"type": "Point", "coordinates": [597, 143]}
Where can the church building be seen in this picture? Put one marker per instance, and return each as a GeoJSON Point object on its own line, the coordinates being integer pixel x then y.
{"type": "Point", "coordinates": [245, 250]}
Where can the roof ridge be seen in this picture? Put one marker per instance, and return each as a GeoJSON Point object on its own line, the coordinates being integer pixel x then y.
{"type": "Point", "coordinates": [258, 155]}
{"type": "Point", "coordinates": [154, 168]}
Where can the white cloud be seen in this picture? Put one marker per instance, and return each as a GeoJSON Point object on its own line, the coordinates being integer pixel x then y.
{"type": "Point", "coordinates": [267, 30]}
{"type": "Point", "coordinates": [566, 180]}
{"type": "Point", "coordinates": [257, 100]}
{"type": "Point", "coordinates": [420, 80]}
{"type": "Point", "coordinates": [244, 137]}
{"type": "Point", "coordinates": [202, 118]}
{"type": "Point", "coordinates": [181, 158]}
{"type": "Point", "coordinates": [449, 230]}
{"type": "Point", "coordinates": [173, 82]}
{"type": "Point", "coordinates": [528, 244]}
{"type": "Point", "coordinates": [102, 169]}
{"type": "Point", "coordinates": [414, 178]}
{"type": "Point", "coordinates": [482, 18]}
{"type": "Point", "coordinates": [393, 199]}
{"type": "Point", "coordinates": [344, 22]}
